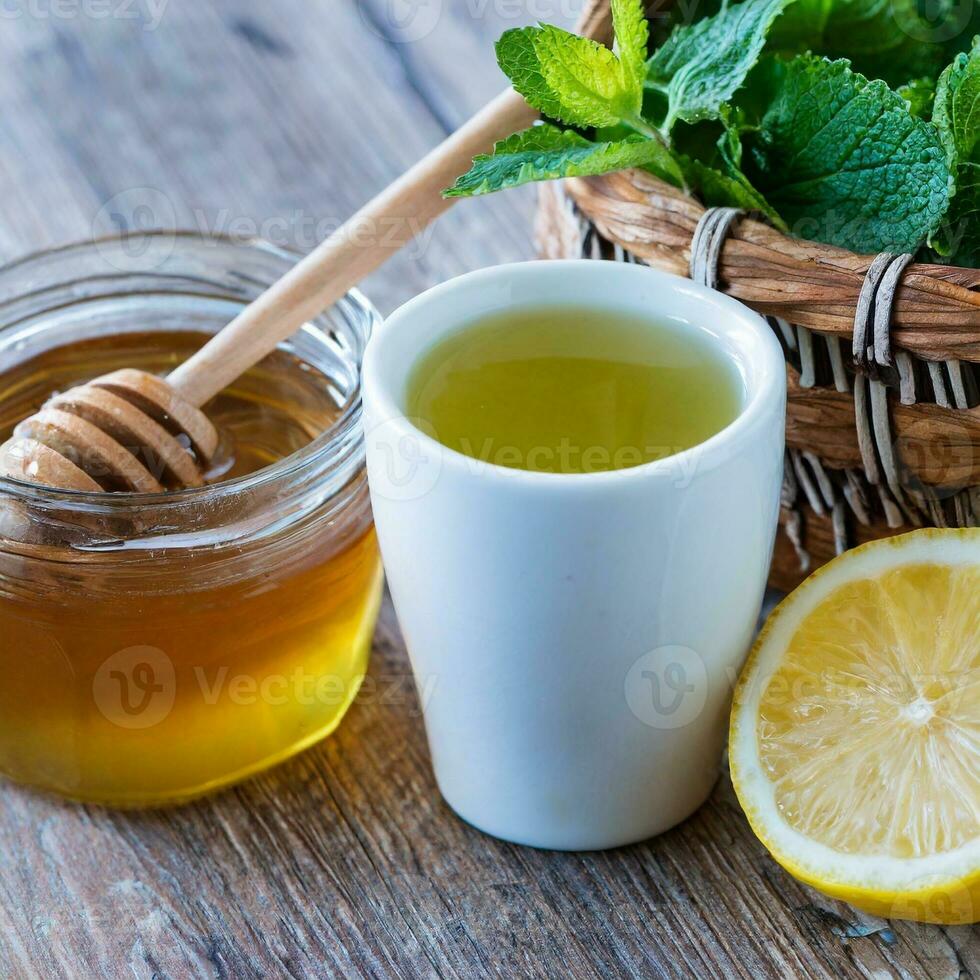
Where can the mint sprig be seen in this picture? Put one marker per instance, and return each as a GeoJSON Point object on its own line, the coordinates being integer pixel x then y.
{"type": "Point", "coordinates": [588, 80]}
{"type": "Point", "coordinates": [744, 107]}
{"type": "Point", "coordinates": [546, 152]}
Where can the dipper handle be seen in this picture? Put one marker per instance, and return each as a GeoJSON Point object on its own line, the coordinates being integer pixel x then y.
{"type": "Point", "coordinates": [382, 227]}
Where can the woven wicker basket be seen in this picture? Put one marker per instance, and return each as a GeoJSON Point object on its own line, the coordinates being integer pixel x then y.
{"type": "Point", "coordinates": [877, 443]}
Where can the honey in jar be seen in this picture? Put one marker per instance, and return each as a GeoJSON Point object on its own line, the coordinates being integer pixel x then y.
{"type": "Point", "coordinates": [153, 648]}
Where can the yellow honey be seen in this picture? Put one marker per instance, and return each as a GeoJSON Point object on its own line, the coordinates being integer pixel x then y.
{"type": "Point", "coordinates": [152, 650]}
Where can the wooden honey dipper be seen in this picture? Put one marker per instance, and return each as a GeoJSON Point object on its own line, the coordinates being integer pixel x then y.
{"type": "Point", "coordinates": [136, 432]}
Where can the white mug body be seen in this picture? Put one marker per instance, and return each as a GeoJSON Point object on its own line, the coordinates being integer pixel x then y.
{"type": "Point", "coordinates": [575, 638]}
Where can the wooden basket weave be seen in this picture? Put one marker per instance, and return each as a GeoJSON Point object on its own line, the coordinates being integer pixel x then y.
{"type": "Point", "coordinates": [877, 443]}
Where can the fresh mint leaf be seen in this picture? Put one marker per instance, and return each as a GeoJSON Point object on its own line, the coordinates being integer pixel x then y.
{"type": "Point", "coordinates": [710, 154]}
{"type": "Point", "coordinates": [956, 115]}
{"type": "Point", "coordinates": [632, 34]}
{"type": "Point", "coordinates": [518, 60]}
{"type": "Point", "coordinates": [889, 39]}
{"type": "Point", "coordinates": [701, 66]}
{"type": "Point", "coordinates": [545, 152]}
{"type": "Point", "coordinates": [716, 188]}
{"type": "Point", "coordinates": [804, 23]}
{"type": "Point", "coordinates": [843, 160]}
{"type": "Point", "coordinates": [957, 240]}
{"type": "Point", "coordinates": [576, 80]}
{"type": "Point", "coordinates": [586, 78]}
{"type": "Point", "coordinates": [957, 108]}
{"type": "Point", "coordinates": [920, 93]}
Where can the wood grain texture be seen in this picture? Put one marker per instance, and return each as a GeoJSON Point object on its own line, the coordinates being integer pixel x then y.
{"type": "Point", "coordinates": [344, 862]}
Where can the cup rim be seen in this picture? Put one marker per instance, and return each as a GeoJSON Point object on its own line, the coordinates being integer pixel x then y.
{"type": "Point", "coordinates": [769, 387]}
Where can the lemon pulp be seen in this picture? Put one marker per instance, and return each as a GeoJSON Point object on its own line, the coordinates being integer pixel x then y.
{"type": "Point", "coordinates": [869, 729]}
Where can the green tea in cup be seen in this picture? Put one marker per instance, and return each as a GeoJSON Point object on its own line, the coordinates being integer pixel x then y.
{"type": "Point", "coordinates": [573, 390]}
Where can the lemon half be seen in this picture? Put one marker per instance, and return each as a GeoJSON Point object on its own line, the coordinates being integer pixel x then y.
{"type": "Point", "coordinates": [855, 733]}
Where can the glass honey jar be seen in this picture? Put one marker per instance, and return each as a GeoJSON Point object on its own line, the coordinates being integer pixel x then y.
{"type": "Point", "coordinates": [156, 647]}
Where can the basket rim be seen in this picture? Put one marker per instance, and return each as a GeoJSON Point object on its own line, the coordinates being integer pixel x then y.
{"type": "Point", "coordinates": [936, 315]}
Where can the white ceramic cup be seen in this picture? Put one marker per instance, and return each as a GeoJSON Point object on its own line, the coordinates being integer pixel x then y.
{"type": "Point", "coordinates": [575, 638]}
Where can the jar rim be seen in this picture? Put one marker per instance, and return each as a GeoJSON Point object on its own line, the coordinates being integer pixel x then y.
{"type": "Point", "coordinates": [334, 444]}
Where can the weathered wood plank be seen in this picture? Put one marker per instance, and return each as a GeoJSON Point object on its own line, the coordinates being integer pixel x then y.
{"type": "Point", "coordinates": [344, 862]}
{"type": "Point", "coordinates": [242, 118]}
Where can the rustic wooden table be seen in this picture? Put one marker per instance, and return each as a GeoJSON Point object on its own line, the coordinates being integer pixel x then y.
{"type": "Point", "coordinates": [242, 117]}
